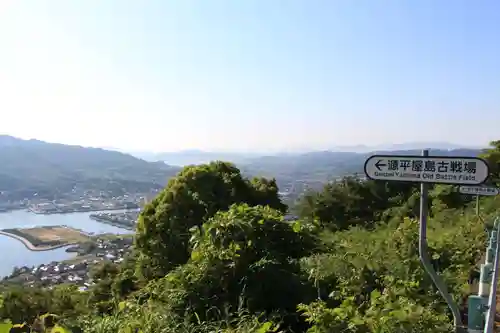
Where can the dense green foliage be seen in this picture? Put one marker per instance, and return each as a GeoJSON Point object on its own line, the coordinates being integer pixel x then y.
{"type": "Point", "coordinates": [191, 198]}
{"type": "Point", "coordinates": [213, 253]}
{"type": "Point", "coordinates": [492, 156]}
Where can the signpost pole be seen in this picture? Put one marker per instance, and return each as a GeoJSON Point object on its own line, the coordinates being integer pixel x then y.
{"type": "Point", "coordinates": [478, 215]}
{"type": "Point", "coordinates": [424, 256]}
{"type": "Point", "coordinates": [478, 191]}
{"type": "Point", "coordinates": [425, 169]}
{"type": "Point", "coordinates": [477, 205]}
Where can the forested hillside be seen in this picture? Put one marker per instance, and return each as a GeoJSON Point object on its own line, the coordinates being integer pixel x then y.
{"type": "Point", "coordinates": [48, 170]}
{"type": "Point", "coordinates": [31, 166]}
{"type": "Point", "coordinates": [212, 253]}
{"type": "Point", "coordinates": [326, 164]}
{"type": "Point", "coordinates": [298, 172]}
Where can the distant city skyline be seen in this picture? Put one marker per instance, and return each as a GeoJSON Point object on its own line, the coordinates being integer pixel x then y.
{"type": "Point", "coordinates": [250, 76]}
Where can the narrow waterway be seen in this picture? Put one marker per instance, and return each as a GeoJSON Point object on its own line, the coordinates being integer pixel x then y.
{"type": "Point", "coordinates": [14, 253]}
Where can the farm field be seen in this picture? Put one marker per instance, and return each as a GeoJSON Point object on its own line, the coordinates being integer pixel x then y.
{"type": "Point", "coordinates": [46, 237]}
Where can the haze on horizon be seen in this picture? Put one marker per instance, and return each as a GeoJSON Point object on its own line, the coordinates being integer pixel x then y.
{"type": "Point", "coordinates": [250, 75]}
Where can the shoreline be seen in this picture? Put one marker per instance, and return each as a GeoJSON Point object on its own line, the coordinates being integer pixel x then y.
{"type": "Point", "coordinates": [74, 211]}
{"type": "Point", "coordinates": [113, 223]}
{"type": "Point", "coordinates": [30, 246]}
{"type": "Point", "coordinates": [28, 210]}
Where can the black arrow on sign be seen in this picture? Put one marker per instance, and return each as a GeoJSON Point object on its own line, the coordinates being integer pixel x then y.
{"type": "Point", "coordinates": [378, 165]}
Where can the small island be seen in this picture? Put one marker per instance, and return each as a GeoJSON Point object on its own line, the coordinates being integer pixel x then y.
{"type": "Point", "coordinates": [47, 237]}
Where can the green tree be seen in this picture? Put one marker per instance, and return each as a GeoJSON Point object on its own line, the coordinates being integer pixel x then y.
{"type": "Point", "coordinates": [105, 270]}
{"type": "Point", "coordinates": [191, 198]}
{"type": "Point", "coordinates": [448, 197]}
{"type": "Point", "coordinates": [352, 201]}
{"type": "Point", "coordinates": [68, 301]}
{"type": "Point", "coordinates": [230, 262]}
{"type": "Point", "coordinates": [244, 257]}
{"type": "Point", "coordinates": [101, 297]}
{"type": "Point", "coordinates": [124, 284]}
{"type": "Point", "coordinates": [24, 305]}
{"type": "Point", "coordinates": [492, 156]}
{"type": "Point", "coordinates": [101, 294]}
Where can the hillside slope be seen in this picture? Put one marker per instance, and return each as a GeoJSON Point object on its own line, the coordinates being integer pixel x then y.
{"type": "Point", "coordinates": [32, 166]}
{"type": "Point", "coordinates": [227, 262]}
{"type": "Point", "coordinates": [316, 168]}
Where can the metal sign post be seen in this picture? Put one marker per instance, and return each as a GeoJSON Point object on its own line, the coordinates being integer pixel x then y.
{"type": "Point", "coordinates": [492, 301]}
{"type": "Point", "coordinates": [427, 169]}
{"type": "Point", "coordinates": [477, 205]}
{"type": "Point", "coordinates": [477, 191]}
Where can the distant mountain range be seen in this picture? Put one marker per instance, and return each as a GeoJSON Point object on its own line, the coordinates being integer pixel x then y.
{"type": "Point", "coordinates": [32, 166]}
{"type": "Point", "coordinates": [403, 146]}
{"type": "Point", "coordinates": [316, 168]}
{"type": "Point", "coordinates": [187, 157]}
{"type": "Point", "coordinates": [47, 169]}
{"type": "Point", "coordinates": [295, 172]}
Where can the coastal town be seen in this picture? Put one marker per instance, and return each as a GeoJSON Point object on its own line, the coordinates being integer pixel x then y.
{"type": "Point", "coordinates": [125, 220]}
{"type": "Point", "coordinates": [89, 249]}
{"type": "Point", "coordinates": [77, 270]}
{"type": "Point", "coordinates": [80, 201]}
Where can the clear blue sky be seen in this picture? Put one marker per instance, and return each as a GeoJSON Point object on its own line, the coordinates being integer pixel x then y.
{"type": "Point", "coordinates": [250, 74]}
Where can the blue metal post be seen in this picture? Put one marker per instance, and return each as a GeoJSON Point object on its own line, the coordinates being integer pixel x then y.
{"type": "Point", "coordinates": [492, 301]}
{"type": "Point", "coordinates": [484, 279]}
{"type": "Point", "coordinates": [475, 314]}
{"type": "Point", "coordinates": [490, 251]}
{"type": "Point", "coordinates": [478, 304]}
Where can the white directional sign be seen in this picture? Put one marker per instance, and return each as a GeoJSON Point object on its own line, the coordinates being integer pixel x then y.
{"type": "Point", "coordinates": [445, 170]}
{"type": "Point", "coordinates": [479, 190]}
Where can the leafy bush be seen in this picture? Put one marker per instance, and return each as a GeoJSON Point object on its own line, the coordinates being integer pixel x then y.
{"type": "Point", "coordinates": [213, 253]}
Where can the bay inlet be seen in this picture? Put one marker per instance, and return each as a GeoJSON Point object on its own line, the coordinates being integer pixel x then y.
{"type": "Point", "coordinates": [14, 253]}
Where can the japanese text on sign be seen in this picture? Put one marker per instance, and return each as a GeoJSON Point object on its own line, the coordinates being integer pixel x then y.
{"type": "Point", "coordinates": [432, 166]}
{"type": "Point", "coordinates": [476, 190]}
{"type": "Point", "coordinates": [451, 170]}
